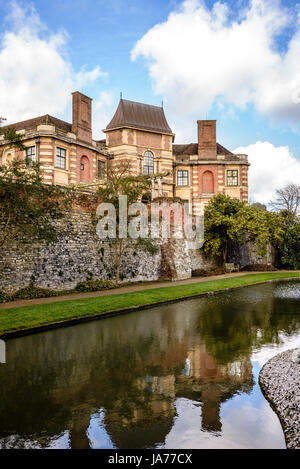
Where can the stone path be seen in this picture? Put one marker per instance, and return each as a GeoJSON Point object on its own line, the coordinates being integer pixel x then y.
{"type": "Point", "coordinates": [117, 291]}
{"type": "Point", "coordinates": [280, 382]}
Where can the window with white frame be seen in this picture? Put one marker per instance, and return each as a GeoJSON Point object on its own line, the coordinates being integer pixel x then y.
{"type": "Point", "coordinates": [232, 177]}
{"type": "Point", "coordinates": [61, 158]}
{"type": "Point", "coordinates": [30, 155]}
{"type": "Point", "coordinates": [182, 178]}
{"type": "Point", "coordinates": [148, 162]}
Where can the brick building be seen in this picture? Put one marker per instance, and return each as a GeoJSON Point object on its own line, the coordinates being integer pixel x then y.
{"type": "Point", "coordinates": [138, 133]}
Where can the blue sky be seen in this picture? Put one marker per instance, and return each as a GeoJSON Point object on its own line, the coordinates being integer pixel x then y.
{"type": "Point", "coordinates": [234, 61]}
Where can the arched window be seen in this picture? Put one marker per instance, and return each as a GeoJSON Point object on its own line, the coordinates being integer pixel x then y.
{"type": "Point", "coordinates": [8, 158]}
{"type": "Point", "coordinates": [148, 162]}
{"type": "Point", "coordinates": [84, 169]}
{"type": "Point", "coordinates": [208, 182]}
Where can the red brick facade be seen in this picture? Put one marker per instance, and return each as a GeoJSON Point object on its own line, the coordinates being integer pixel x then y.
{"type": "Point", "coordinates": [68, 154]}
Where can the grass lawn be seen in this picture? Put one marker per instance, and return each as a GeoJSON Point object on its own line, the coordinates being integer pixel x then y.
{"type": "Point", "coordinates": [34, 316]}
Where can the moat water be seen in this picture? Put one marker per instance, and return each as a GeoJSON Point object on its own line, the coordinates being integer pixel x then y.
{"type": "Point", "coordinates": [183, 375]}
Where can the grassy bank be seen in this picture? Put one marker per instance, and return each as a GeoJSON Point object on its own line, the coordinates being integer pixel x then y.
{"type": "Point", "coordinates": [39, 315]}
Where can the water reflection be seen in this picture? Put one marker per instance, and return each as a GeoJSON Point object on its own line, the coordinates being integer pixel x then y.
{"type": "Point", "coordinates": [182, 375]}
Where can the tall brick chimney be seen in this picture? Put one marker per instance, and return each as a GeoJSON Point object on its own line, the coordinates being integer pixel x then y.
{"type": "Point", "coordinates": [82, 117]}
{"type": "Point", "coordinates": [207, 140]}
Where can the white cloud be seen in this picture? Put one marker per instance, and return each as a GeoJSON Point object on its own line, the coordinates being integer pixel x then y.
{"type": "Point", "coordinates": [271, 168]}
{"type": "Point", "coordinates": [36, 76]}
{"type": "Point", "coordinates": [104, 108]}
{"type": "Point", "coordinates": [199, 56]}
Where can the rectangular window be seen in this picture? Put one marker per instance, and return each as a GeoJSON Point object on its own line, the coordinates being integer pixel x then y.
{"type": "Point", "coordinates": [30, 155]}
{"type": "Point", "coordinates": [232, 177]}
{"type": "Point", "coordinates": [61, 158]}
{"type": "Point", "coordinates": [100, 169]}
{"type": "Point", "coordinates": [182, 178]}
{"type": "Point", "coordinates": [157, 167]}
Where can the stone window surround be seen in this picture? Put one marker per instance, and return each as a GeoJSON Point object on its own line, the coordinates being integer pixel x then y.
{"type": "Point", "coordinates": [8, 155]}
{"type": "Point", "coordinates": [153, 160]}
{"type": "Point", "coordinates": [232, 177]}
{"type": "Point", "coordinates": [28, 156]}
{"type": "Point", "coordinates": [182, 178]}
{"type": "Point", "coordinates": [66, 168]}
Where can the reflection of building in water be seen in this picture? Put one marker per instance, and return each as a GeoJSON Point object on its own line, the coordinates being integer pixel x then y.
{"type": "Point", "coordinates": [131, 373]}
{"type": "Point", "coordinates": [201, 379]}
{"type": "Point", "coordinates": [213, 383]}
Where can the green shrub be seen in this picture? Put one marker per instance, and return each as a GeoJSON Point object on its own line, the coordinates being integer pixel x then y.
{"type": "Point", "coordinates": [207, 273]}
{"type": "Point", "coordinates": [31, 292]}
{"type": "Point", "coordinates": [4, 297]}
{"type": "Point", "coordinates": [91, 285]}
{"type": "Point", "coordinates": [258, 268]}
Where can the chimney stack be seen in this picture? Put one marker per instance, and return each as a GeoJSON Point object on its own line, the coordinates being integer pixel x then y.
{"type": "Point", "coordinates": [207, 140]}
{"type": "Point", "coordinates": [82, 117]}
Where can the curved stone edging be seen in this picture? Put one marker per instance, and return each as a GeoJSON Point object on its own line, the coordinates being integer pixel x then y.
{"type": "Point", "coordinates": [279, 380]}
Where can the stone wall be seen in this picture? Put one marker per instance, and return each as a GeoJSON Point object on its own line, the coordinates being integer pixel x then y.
{"type": "Point", "coordinates": [248, 255]}
{"type": "Point", "coordinates": [79, 253]}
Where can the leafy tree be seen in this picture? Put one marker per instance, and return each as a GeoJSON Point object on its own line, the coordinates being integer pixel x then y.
{"type": "Point", "coordinates": [28, 207]}
{"type": "Point", "coordinates": [229, 219]}
{"type": "Point", "coordinates": [120, 181]}
{"type": "Point", "coordinates": [13, 138]}
{"type": "Point", "coordinates": [288, 249]}
{"type": "Point", "coordinates": [259, 205]}
{"type": "Point", "coordinates": [218, 224]}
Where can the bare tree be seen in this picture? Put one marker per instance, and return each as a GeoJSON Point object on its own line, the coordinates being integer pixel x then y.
{"type": "Point", "coordinates": [120, 180]}
{"type": "Point", "coordinates": [287, 198]}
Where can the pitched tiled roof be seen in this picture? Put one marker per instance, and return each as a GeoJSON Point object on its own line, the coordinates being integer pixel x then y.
{"type": "Point", "coordinates": [192, 149]}
{"type": "Point", "coordinates": [33, 123]}
{"type": "Point", "coordinates": [188, 149]}
{"type": "Point", "coordinates": [141, 116]}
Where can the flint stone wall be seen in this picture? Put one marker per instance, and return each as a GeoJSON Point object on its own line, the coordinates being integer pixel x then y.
{"type": "Point", "coordinates": [79, 252]}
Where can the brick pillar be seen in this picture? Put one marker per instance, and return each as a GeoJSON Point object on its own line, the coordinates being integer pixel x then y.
{"type": "Point", "coordinates": [82, 117]}
{"type": "Point", "coordinates": [207, 143]}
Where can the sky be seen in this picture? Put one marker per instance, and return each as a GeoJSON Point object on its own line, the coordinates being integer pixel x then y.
{"type": "Point", "coordinates": [233, 61]}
